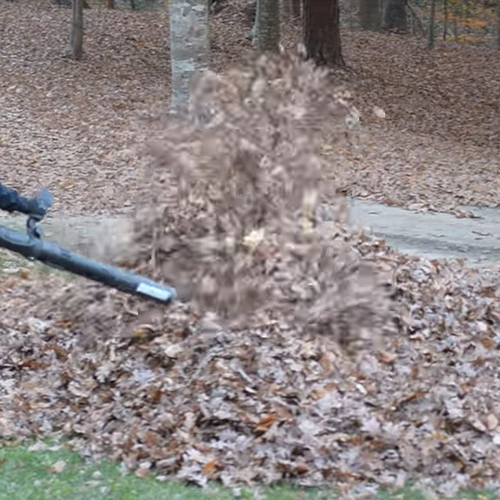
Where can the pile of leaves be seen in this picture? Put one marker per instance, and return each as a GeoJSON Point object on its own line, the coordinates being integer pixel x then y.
{"type": "Point", "coordinates": [195, 401]}
{"type": "Point", "coordinates": [237, 196]}
{"type": "Point", "coordinates": [308, 372]}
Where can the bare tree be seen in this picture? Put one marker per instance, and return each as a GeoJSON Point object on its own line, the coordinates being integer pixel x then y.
{"type": "Point", "coordinates": [445, 21]}
{"type": "Point", "coordinates": [432, 24]}
{"type": "Point", "coordinates": [498, 23]}
{"type": "Point", "coordinates": [395, 15]}
{"type": "Point", "coordinates": [189, 48]}
{"type": "Point", "coordinates": [75, 49]}
{"type": "Point", "coordinates": [267, 26]}
{"type": "Point", "coordinates": [369, 14]}
{"type": "Point", "coordinates": [321, 24]}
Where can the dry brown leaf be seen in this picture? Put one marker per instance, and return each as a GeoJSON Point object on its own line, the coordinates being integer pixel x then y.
{"type": "Point", "coordinates": [491, 422]}
{"type": "Point", "coordinates": [57, 467]}
{"type": "Point", "coordinates": [209, 468]}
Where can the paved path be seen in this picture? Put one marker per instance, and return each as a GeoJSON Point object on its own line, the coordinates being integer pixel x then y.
{"type": "Point", "coordinates": [94, 236]}
{"type": "Point", "coordinates": [434, 235]}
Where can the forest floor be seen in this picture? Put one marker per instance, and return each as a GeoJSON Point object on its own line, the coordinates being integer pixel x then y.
{"type": "Point", "coordinates": [74, 126]}
{"type": "Point", "coordinates": [428, 142]}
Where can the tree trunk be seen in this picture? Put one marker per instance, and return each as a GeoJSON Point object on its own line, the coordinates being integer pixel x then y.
{"type": "Point", "coordinates": [498, 23]}
{"type": "Point", "coordinates": [445, 22]}
{"type": "Point", "coordinates": [432, 24]}
{"type": "Point", "coordinates": [295, 8]}
{"type": "Point", "coordinates": [267, 26]}
{"type": "Point", "coordinates": [110, 4]}
{"type": "Point", "coordinates": [395, 16]}
{"type": "Point", "coordinates": [189, 48]}
{"type": "Point", "coordinates": [255, 26]}
{"type": "Point", "coordinates": [321, 24]}
{"type": "Point", "coordinates": [369, 14]}
{"type": "Point", "coordinates": [75, 49]}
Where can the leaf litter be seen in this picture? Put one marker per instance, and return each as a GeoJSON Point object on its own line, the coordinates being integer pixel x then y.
{"type": "Point", "coordinates": [71, 126]}
{"type": "Point", "coordinates": [303, 350]}
{"type": "Point", "coordinates": [307, 351]}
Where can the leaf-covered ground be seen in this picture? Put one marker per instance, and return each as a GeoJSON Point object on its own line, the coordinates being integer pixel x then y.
{"type": "Point", "coordinates": [70, 126]}
{"type": "Point", "coordinates": [332, 358]}
{"type": "Point", "coordinates": [73, 126]}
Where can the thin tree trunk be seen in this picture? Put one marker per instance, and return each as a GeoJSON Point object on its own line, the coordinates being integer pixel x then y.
{"type": "Point", "coordinates": [255, 27]}
{"type": "Point", "coordinates": [395, 16]}
{"type": "Point", "coordinates": [415, 20]}
{"type": "Point", "coordinates": [296, 8]}
{"type": "Point", "coordinates": [445, 27]}
{"type": "Point", "coordinates": [75, 49]}
{"type": "Point", "coordinates": [369, 14]}
{"type": "Point", "coordinates": [321, 24]}
{"type": "Point", "coordinates": [432, 24]}
{"type": "Point", "coordinates": [498, 23]}
{"type": "Point", "coordinates": [466, 15]}
{"type": "Point", "coordinates": [267, 23]}
{"type": "Point", "coordinates": [189, 48]}
{"type": "Point", "coordinates": [110, 4]}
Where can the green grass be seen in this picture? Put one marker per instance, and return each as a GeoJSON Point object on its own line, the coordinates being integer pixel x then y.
{"type": "Point", "coordinates": [27, 475]}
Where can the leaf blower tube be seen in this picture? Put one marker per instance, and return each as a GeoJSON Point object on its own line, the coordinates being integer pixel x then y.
{"type": "Point", "coordinates": [60, 258]}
